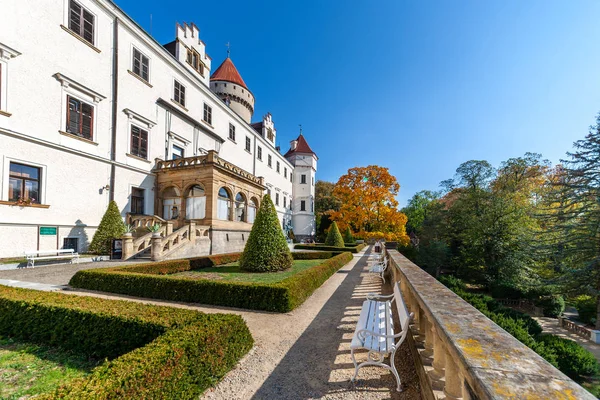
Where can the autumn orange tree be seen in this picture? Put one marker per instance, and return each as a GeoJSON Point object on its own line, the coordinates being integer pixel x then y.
{"type": "Point", "coordinates": [368, 202]}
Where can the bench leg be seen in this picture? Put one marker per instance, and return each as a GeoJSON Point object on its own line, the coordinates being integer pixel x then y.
{"type": "Point", "coordinates": [395, 372]}
{"type": "Point", "coordinates": [391, 368]}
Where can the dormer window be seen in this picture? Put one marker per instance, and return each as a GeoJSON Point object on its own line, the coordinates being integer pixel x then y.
{"type": "Point", "coordinates": [193, 58]}
{"type": "Point", "coordinates": [270, 135]}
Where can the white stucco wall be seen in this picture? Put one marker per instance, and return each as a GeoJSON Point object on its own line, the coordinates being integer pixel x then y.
{"type": "Point", "coordinates": [74, 171]}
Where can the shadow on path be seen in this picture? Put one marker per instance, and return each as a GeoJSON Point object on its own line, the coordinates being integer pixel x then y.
{"type": "Point", "coordinates": [318, 365]}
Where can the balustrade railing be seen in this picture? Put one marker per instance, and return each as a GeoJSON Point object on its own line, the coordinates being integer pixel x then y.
{"type": "Point", "coordinates": [576, 328]}
{"type": "Point", "coordinates": [467, 355]}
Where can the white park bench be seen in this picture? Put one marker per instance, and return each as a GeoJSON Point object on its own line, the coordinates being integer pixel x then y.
{"type": "Point", "coordinates": [379, 268]}
{"type": "Point", "coordinates": [37, 255]}
{"type": "Point", "coordinates": [375, 331]}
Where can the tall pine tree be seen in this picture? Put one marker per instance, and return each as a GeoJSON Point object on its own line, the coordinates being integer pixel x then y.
{"type": "Point", "coordinates": [578, 216]}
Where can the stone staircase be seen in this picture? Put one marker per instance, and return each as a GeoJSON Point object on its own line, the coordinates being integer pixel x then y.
{"type": "Point", "coordinates": [190, 240]}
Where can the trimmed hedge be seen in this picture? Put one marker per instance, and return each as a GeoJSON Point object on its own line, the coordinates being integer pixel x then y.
{"type": "Point", "coordinates": [334, 237]}
{"type": "Point", "coordinates": [573, 360]}
{"type": "Point", "coordinates": [566, 355]}
{"type": "Point", "coordinates": [152, 351]}
{"type": "Point", "coordinates": [352, 249]}
{"type": "Point", "coordinates": [144, 280]}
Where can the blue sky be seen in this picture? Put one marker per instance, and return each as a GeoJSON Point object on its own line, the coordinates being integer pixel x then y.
{"type": "Point", "coordinates": [416, 86]}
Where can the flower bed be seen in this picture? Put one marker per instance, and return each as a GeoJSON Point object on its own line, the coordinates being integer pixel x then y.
{"type": "Point", "coordinates": [154, 281]}
{"type": "Point", "coordinates": [151, 351]}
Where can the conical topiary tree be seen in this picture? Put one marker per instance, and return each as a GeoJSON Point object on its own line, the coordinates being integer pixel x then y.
{"type": "Point", "coordinates": [348, 238]}
{"type": "Point", "coordinates": [334, 237]}
{"type": "Point", "coordinates": [111, 227]}
{"type": "Point", "coordinates": [266, 249]}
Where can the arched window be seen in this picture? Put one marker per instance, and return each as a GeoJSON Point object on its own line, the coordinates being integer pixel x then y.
{"type": "Point", "coordinates": [223, 204]}
{"type": "Point", "coordinates": [171, 203]}
{"type": "Point", "coordinates": [240, 207]}
{"type": "Point", "coordinates": [252, 206]}
{"type": "Point", "coordinates": [195, 203]}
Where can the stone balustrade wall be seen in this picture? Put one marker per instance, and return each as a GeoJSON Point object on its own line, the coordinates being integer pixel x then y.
{"type": "Point", "coordinates": [467, 356]}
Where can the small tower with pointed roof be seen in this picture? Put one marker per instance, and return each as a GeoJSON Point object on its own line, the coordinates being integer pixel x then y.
{"type": "Point", "coordinates": [304, 160]}
{"type": "Point", "coordinates": [227, 83]}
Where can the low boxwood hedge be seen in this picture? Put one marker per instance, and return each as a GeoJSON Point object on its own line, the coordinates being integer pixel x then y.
{"type": "Point", "coordinates": [151, 351]}
{"type": "Point", "coordinates": [350, 248]}
{"type": "Point", "coordinates": [152, 281]}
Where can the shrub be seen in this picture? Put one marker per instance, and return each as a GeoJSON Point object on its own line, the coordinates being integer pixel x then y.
{"type": "Point", "coordinates": [586, 308]}
{"type": "Point", "coordinates": [573, 360]}
{"type": "Point", "coordinates": [506, 290]}
{"type": "Point", "coordinates": [566, 355]}
{"type": "Point", "coordinates": [111, 227]}
{"type": "Point", "coordinates": [266, 249]}
{"type": "Point", "coordinates": [348, 238]}
{"type": "Point", "coordinates": [552, 306]}
{"type": "Point", "coordinates": [145, 281]}
{"type": "Point", "coordinates": [154, 351]}
{"type": "Point", "coordinates": [334, 237]}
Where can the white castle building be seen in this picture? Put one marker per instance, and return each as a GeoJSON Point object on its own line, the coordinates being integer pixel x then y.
{"type": "Point", "coordinates": [93, 109]}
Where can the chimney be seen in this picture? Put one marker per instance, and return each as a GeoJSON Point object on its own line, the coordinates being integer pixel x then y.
{"type": "Point", "coordinates": [293, 145]}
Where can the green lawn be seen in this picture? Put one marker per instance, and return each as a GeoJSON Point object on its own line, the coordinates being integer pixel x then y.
{"type": "Point", "coordinates": [232, 272]}
{"type": "Point", "coordinates": [29, 369]}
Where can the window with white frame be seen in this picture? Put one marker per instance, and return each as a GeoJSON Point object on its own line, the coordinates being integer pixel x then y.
{"type": "Point", "coordinates": [177, 152]}
{"type": "Point", "coordinates": [248, 143]}
{"type": "Point", "coordinates": [285, 172]}
{"type": "Point", "coordinates": [276, 199]}
{"type": "Point", "coordinates": [80, 118]}
{"type": "Point", "coordinates": [24, 183]}
{"type": "Point", "coordinates": [6, 54]}
{"type": "Point", "coordinates": [302, 178]}
{"type": "Point", "coordinates": [259, 153]}
{"type": "Point", "coordinates": [81, 21]}
{"type": "Point", "coordinates": [207, 114]}
{"type": "Point", "coordinates": [270, 161]}
{"type": "Point", "coordinates": [179, 93]}
{"type": "Point", "coordinates": [224, 204]}
{"type": "Point", "coordinates": [232, 132]}
{"type": "Point", "coordinates": [302, 205]}
{"type": "Point", "coordinates": [139, 142]}
{"type": "Point", "coordinates": [141, 65]}
{"type": "Point", "coordinates": [277, 167]}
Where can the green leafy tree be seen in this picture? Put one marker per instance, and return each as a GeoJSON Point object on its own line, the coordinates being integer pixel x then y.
{"type": "Point", "coordinates": [266, 249]}
{"type": "Point", "coordinates": [111, 227]}
{"type": "Point", "coordinates": [417, 209]}
{"type": "Point", "coordinates": [348, 238]}
{"type": "Point", "coordinates": [578, 216]}
{"type": "Point", "coordinates": [334, 237]}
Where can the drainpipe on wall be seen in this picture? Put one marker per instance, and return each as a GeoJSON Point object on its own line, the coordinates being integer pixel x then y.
{"type": "Point", "coordinates": [115, 77]}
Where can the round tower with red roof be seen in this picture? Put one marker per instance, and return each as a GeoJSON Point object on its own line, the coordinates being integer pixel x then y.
{"type": "Point", "coordinates": [228, 84]}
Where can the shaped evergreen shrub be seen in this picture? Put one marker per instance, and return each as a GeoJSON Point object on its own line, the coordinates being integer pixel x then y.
{"type": "Point", "coordinates": [348, 238]}
{"type": "Point", "coordinates": [334, 237]}
{"type": "Point", "coordinates": [111, 227]}
{"type": "Point", "coordinates": [266, 249]}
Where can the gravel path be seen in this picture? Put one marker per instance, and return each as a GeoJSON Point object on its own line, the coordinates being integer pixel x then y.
{"type": "Point", "coordinates": [57, 274]}
{"type": "Point", "coordinates": [304, 354]}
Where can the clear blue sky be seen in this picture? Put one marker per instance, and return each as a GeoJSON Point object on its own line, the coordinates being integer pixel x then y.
{"type": "Point", "coordinates": [416, 86]}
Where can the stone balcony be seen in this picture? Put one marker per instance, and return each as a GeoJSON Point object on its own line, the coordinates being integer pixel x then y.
{"type": "Point", "coordinates": [464, 355]}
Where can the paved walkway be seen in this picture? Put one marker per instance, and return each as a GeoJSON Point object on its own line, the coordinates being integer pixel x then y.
{"type": "Point", "coordinates": [550, 325]}
{"type": "Point", "coordinates": [304, 354]}
{"type": "Point", "coordinates": [55, 274]}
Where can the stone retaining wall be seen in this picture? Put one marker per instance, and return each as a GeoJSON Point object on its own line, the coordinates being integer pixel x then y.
{"type": "Point", "coordinates": [467, 355]}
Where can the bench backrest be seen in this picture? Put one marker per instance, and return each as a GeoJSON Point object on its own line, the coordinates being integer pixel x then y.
{"type": "Point", "coordinates": [48, 252]}
{"type": "Point", "coordinates": [403, 314]}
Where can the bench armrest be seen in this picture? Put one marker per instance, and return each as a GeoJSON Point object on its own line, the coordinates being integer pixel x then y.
{"type": "Point", "coordinates": [376, 296]}
{"type": "Point", "coordinates": [364, 333]}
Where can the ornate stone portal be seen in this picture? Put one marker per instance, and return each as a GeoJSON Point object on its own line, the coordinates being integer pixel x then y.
{"type": "Point", "coordinates": [209, 191]}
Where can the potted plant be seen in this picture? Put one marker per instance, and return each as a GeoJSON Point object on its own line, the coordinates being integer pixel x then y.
{"type": "Point", "coordinates": [129, 230]}
{"type": "Point", "coordinates": [155, 230]}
